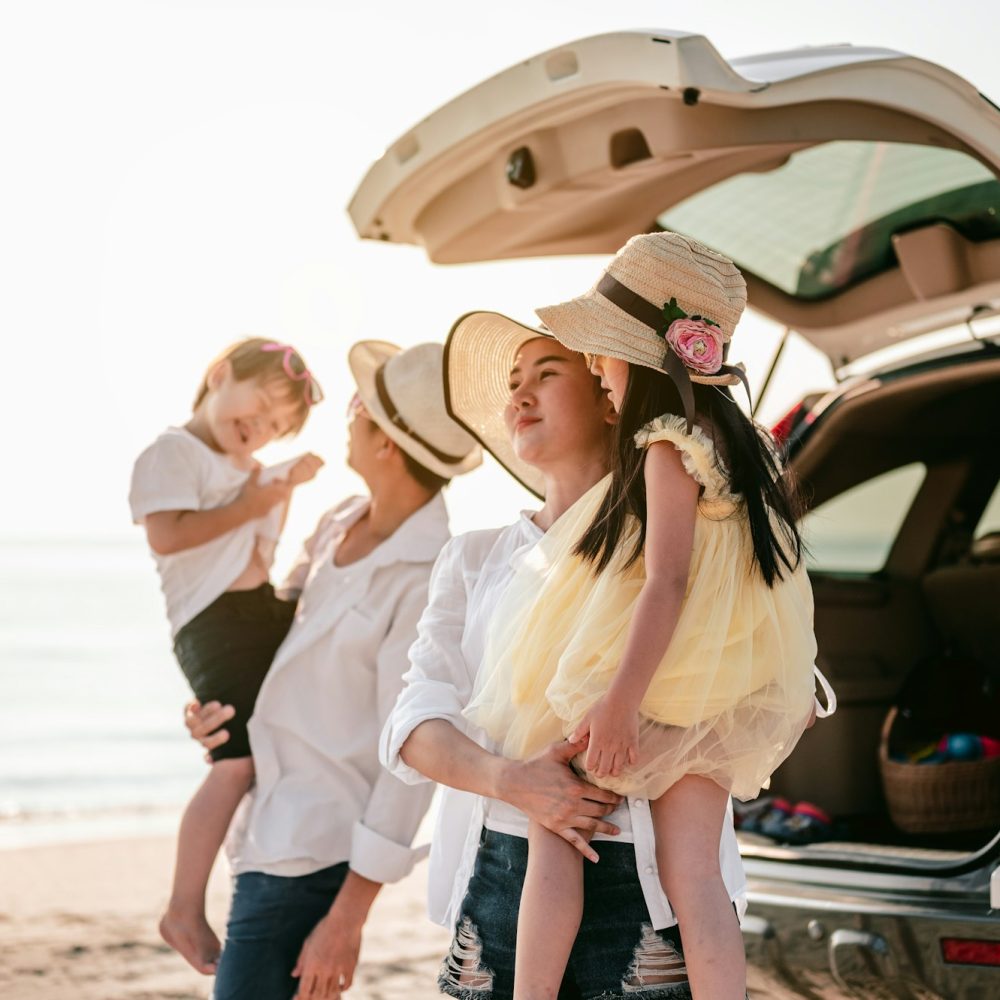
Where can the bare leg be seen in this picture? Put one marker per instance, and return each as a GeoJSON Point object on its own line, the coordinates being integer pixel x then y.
{"type": "Point", "coordinates": [549, 916]}
{"type": "Point", "coordinates": [203, 828]}
{"type": "Point", "coordinates": [687, 820]}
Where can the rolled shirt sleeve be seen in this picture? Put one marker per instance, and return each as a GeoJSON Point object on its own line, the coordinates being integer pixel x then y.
{"type": "Point", "coordinates": [380, 842]}
{"type": "Point", "coordinates": [437, 684]}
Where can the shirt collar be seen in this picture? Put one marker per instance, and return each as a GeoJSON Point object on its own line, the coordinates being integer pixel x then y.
{"type": "Point", "coordinates": [419, 539]}
{"type": "Point", "coordinates": [527, 525]}
{"type": "Point", "coordinates": [529, 534]}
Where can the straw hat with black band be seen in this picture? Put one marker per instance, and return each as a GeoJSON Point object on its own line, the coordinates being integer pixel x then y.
{"type": "Point", "coordinates": [478, 356]}
{"type": "Point", "coordinates": [666, 302]}
{"type": "Point", "coordinates": [403, 392]}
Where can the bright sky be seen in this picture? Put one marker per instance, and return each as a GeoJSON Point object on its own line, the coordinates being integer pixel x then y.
{"type": "Point", "coordinates": [175, 177]}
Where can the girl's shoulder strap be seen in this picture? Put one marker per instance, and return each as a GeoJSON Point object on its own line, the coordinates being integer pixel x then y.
{"type": "Point", "coordinates": [698, 452]}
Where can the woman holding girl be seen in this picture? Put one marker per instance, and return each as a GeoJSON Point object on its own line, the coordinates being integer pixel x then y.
{"type": "Point", "coordinates": [541, 413]}
{"type": "Point", "coordinates": [666, 618]}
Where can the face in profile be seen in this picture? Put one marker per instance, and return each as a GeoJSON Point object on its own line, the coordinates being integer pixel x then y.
{"type": "Point", "coordinates": [613, 373]}
{"type": "Point", "coordinates": [362, 437]}
{"type": "Point", "coordinates": [557, 410]}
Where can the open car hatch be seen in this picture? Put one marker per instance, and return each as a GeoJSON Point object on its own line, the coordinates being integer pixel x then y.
{"type": "Point", "coordinates": [855, 187]}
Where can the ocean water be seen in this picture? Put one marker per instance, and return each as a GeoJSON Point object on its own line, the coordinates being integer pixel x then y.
{"type": "Point", "coordinates": [92, 741]}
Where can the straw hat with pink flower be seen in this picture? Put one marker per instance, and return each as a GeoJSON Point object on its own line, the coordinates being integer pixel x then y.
{"type": "Point", "coordinates": [666, 302]}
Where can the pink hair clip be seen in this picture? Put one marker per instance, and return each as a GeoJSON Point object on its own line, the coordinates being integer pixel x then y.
{"type": "Point", "coordinates": [315, 392]}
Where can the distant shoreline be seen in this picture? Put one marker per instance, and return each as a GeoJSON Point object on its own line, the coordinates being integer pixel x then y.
{"type": "Point", "coordinates": [53, 828]}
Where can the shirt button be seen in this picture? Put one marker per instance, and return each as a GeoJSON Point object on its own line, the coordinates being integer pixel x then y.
{"type": "Point", "coordinates": [638, 803]}
{"type": "Point", "coordinates": [649, 869]}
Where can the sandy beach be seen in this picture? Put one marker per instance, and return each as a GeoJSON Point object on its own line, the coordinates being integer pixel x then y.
{"type": "Point", "coordinates": [79, 920]}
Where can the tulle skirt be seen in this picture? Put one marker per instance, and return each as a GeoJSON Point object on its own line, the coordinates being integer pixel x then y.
{"type": "Point", "coordinates": [731, 696]}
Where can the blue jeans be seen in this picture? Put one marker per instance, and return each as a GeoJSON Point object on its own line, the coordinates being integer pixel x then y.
{"type": "Point", "coordinates": [616, 956]}
{"type": "Point", "coordinates": [269, 920]}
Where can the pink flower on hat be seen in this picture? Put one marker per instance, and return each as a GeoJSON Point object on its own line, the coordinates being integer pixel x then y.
{"type": "Point", "coordinates": [697, 344]}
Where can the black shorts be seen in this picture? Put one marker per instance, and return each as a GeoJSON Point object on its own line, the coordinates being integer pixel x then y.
{"type": "Point", "coordinates": [225, 652]}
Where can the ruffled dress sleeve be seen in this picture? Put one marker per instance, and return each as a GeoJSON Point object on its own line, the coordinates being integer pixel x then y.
{"type": "Point", "coordinates": [701, 461]}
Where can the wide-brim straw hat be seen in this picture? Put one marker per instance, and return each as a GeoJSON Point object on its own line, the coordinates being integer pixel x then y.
{"type": "Point", "coordinates": [649, 271]}
{"type": "Point", "coordinates": [403, 392]}
{"type": "Point", "coordinates": [479, 353]}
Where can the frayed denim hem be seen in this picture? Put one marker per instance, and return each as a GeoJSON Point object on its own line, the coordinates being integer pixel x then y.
{"type": "Point", "coordinates": [676, 991]}
{"type": "Point", "coordinates": [449, 988]}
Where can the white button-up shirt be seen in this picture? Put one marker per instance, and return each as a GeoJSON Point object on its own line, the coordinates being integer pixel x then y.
{"type": "Point", "coordinates": [321, 796]}
{"type": "Point", "coordinates": [469, 576]}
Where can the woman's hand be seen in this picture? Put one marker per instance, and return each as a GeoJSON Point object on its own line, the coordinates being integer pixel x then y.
{"type": "Point", "coordinates": [545, 788]}
{"type": "Point", "coordinates": [204, 722]}
{"type": "Point", "coordinates": [613, 728]}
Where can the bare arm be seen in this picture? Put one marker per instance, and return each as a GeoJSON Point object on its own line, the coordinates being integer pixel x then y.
{"type": "Point", "coordinates": [171, 531]}
{"type": "Point", "coordinates": [543, 787]}
{"type": "Point", "coordinates": [440, 752]}
{"type": "Point", "coordinates": [424, 739]}
{"type": "Point", "coordinates": [672, 505]}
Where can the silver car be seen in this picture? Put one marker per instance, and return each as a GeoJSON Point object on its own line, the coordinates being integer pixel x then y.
{"type": "Point", "coordinates": [857, 189]}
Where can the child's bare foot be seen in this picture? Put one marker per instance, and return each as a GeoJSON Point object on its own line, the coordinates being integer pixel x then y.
{"type": "Point", "coordinates": [192, 938]}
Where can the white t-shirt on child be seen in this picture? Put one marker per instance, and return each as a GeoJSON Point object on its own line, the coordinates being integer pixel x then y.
{"type": "Point", "coordinates": [178, 471]}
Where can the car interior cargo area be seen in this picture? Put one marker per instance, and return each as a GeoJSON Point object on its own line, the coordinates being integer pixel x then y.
{"type": "Point", "coordinates": [903, 529]}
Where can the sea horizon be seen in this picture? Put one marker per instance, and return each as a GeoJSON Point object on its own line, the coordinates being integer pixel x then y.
{"type": "Point", "coordinates": [91, 729]}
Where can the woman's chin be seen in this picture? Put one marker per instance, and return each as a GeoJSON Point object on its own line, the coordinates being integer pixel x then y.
{"type": "Point", "coordinates": [532, 453]}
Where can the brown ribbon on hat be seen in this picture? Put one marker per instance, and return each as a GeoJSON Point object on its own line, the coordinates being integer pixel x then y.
{"type": "Point", "coordinates": [397, 420]}
{"type": "Point", "coordinates": [652, 316]}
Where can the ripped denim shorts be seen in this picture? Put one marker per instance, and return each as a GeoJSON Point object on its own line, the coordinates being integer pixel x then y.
{"type": "Point", "coordinates": [617, 954]}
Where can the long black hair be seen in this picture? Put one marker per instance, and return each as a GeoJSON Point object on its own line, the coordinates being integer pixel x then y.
{"type": "Point", "coordinates": [754, 474]}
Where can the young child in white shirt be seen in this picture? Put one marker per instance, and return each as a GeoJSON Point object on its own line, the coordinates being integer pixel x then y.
{"type": "Point", "coordinates": [213, 516]}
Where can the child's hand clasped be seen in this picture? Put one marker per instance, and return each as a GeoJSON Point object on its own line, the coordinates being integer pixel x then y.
{"type": "Point", "coordinates": [258, 498]}
{"type": "Point", "coordinates": [613, 728]}
{"type": "Point", "coordinates": [304, 469]}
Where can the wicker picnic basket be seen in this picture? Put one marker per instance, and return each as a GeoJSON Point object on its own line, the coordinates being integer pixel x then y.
{"type": "Point", "coordinates": [939, 798]}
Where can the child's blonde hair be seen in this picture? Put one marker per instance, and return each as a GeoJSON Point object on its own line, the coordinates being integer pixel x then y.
{"type": "Point", "coordinates": [271, 363]}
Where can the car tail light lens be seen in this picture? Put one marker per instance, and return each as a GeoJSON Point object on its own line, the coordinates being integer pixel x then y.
{"type": "Point", "coordinates": [969, 951]}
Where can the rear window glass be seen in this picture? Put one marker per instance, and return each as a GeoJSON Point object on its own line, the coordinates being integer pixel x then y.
{"type": "Point", "coordinates": [854, 531]}
{"type": "Point", "coordinates": [823, 219]}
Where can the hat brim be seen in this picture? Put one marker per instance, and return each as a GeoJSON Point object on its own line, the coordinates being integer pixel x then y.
{"type": "Point", "coordinates": [478, 355]}
{"type": "Point", "coordinates": [365, 358]}
{"type": "Point", "coordinates": [591, 324]}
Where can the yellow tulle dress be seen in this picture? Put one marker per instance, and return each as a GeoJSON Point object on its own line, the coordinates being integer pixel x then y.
{"type": "Point", "coordinates": [735, 689]}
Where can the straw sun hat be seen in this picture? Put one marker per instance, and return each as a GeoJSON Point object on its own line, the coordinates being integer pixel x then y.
{"type": "Point", "coordinates": [478, 356]}
{"type": "Point", "coordinates": [665, 302]}
{"type": "Point", "coordinates": [403, 392]}
{"type": "Point", "coordinates": [625, 315]}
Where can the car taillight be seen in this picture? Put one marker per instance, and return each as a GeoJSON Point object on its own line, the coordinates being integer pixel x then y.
{"type": "Point", "coordinates": [783, 427]}
{"type": "Point", "coordinates": [969, 951]}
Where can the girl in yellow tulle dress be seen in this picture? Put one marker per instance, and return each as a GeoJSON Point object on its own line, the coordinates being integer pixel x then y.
{"type": "Point", "coordinates": [666, 617]}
